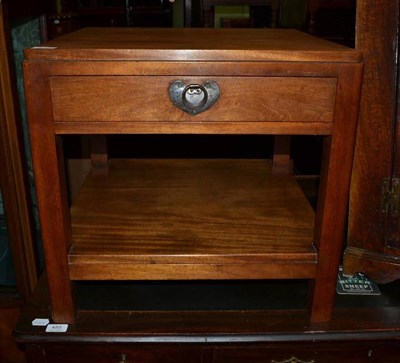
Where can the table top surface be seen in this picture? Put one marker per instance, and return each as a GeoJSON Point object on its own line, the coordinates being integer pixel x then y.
{"type": "Point", "coordinates": [192, 44]}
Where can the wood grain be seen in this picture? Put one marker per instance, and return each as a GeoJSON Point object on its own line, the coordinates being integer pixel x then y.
{"type": "Point", "coordinates": [192, 219]}
{"type": "Point", "coordinates": [116, 99]}
{"type": "Point", "coordinates": [377, 37]}
{"type": "Point", "coordinates": [383, 268]}
{"type": "Point", "coordinates": [220, 128]}
{"type": "Point", "coordinates": [51, 191]}
{"type": "Point", "coordinates": [208, 212]}
{"type": "Point", "coordinates": [192, 44]}
{"type": "Point", "coordinates": [193, 68]}
{"type": "Point", "coordinates": [334, 192]}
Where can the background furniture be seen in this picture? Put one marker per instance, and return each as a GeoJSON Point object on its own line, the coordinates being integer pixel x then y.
{"type": "Point", "coordinates": [221, 323]}
{"type": "Point", "coordinates": [334, 20]}
{"type": "Point", "coordinates": [19, 239]}
{"type": "Point", "coordinates": [373, 240]}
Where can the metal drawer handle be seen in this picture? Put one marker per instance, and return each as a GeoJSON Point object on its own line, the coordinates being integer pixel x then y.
{"type": "Point", "coordinates": [123, 358]}
{"type": "Point", "coordinates": [293, 360]}
{"type": "Point", "coordinates": [194, 98]}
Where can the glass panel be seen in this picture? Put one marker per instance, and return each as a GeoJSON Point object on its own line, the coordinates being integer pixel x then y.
{"type": "Point", "coordinates": [24, 35]}
{"type": "Point", "coordinates": [7, 277]}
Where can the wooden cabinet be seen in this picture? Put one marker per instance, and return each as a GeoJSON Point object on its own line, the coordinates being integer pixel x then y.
{"type": "Point", "coordinates": [18, 261]}
{"type": "Point", "coordinates": [355, 334]}
{"type": "Point", "coordinates": [373, 238]}
{"type": "Point", "coordinates": [327, 352]}
{"type": "Point", "coordinates": [109, 353]}
{"type": "Point", "coordinates": [299, 352]}
{"type": "Point", "coordinates": [185, 219]}
{"type": "Point", "coordinates": [13, 178]}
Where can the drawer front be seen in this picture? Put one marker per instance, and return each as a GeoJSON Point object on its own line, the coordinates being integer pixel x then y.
{"type": "Point", "coordinates": [326, 352]}
{"type": "Point", "coordinates": [120, 353]}
{"type": "Point", "coordinates": [146, 98]}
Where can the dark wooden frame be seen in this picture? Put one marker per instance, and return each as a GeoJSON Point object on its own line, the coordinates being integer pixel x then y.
{"type": "Point", "coordinates": [13, 177]}
{"type": "Point", "coordinates": [372, 230]}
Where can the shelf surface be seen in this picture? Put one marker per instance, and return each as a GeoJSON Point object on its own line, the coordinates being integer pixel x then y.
{"type": "Point", "coordinates": [192, 44]}
{"type": "Point", "coordinates": [191, 219]}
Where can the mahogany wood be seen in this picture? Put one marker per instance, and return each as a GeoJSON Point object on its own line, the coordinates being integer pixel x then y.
{"type": "Point", "coordinates": [13, 178]}
{"type": "Point", "coordinates": [51, 191]}
{"type": "Point", "coordinates": [354, 335]}
{"type": "Point", "coordinates": [9, 351]}
{"type": "Point", "coordinates": [117, 99]}
{"type": "Point", "coordinates": [350, 352]}
{"type": "Point", "coordinates": [368, 249]}
{"type": "Point", "coordinates": [331, 214]}
{"type": "Point", "coordinates": [210, 213]}
{"type": "Point", "coordinates": [213, 219]}
{"type": "Point", "coordinates": [192, 44]}
{"type": "Point", "coordinates": [15, 191]}
{"type": "Point", "coordinates": [193, 68]}
{"type": "Point", "coordinates": [98, 151]}
{"type": "Point", "coordinates": [281, 159]}
{"type": "Point", "coordinates": [382, 267]}
{"type": "Point", "coordinates": [394, 220]}
{"type": "Point", "coordinates": [237, 127]}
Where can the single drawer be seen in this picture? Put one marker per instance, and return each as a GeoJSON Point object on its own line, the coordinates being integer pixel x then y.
{"type": "Point", "coordinates": [146, 98]}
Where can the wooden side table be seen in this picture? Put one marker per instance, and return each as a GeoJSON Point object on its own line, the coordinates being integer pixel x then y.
{"type": "Point", "coordinates": [186, 219]}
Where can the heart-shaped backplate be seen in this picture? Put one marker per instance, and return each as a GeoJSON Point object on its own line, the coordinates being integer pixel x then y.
{"type": "Point", "coordinates": [194, 98]}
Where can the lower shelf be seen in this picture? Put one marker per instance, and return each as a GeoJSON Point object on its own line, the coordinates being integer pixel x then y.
{"type": "Point", "coordinates": [191, 219]}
